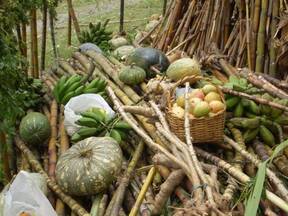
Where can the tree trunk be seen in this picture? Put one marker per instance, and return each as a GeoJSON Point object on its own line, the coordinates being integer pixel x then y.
{"type": "Point", "coordinates": [5, 157]}
{"type": "Point", "coordinates": [44, 34]}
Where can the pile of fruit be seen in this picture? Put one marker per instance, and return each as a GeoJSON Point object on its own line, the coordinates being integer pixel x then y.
{"type": "Point", "coordinates": [68, 87]}
{"type": "Point", "coordinates": [96, 122]}
{"type": "Point", "coordinates": [204, 102]}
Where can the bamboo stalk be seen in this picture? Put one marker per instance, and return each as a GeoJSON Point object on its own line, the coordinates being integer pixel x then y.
{"type": "Point", "coordinates": [143, 191]}
{"type": "Point", "coordinates": [79, 210]}
{"type": "Point", "coordinates": [35, 42]}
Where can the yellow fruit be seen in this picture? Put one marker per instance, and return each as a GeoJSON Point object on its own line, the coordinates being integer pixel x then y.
{"type": "Point", "coordinates": [178, 111]}
{"type": "Point", "coordinates": [193, 102]}
{"type": "Point", "coordinates": [201, 109]}
{"type": "Point", "coordinates": [181, 101]}
{"type": "Point", "coordinates": [216, 106]}
{"type": "Point", "coordinates": [212, 96]}
{"type": "Point", "coordinates": [197, 93]}
{"type": "Point", "coordinates": [209, 88]}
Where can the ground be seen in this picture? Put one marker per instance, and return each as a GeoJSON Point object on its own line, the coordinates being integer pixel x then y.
{"type": "Point", "coordinates": [137, 12]}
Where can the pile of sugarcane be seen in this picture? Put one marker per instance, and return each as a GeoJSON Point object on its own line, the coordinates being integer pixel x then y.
{"type": "Point", "coordinates": [169, 175]}
{"type": "Point", "coordinates": [249, 33]}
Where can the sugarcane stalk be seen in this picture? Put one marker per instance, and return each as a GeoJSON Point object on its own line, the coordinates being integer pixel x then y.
{"type": "Point", "coordinates": [52, 152]}
{"type": "Point", "coordinates": [124, 182]}
{"type": "Point", "coordinates": [254, 98]}
{"type": "Point", "coordinates": [272, 48]}
{"type": "Point", "coordinates": [232, 186]}
{"type": "Point", "coordinates": [271, 175]}
{"type": "Point", "coordinates": [261, 37]}
{"type": "Point", "coordinates": [78, 209]}
{"type": "Point", "coordinates": [44, 34]}
{"type": "Point", "coordinates": [240, 176]}
{"type": "Point", "coordinates": [260, 149]}
{"type": "Point", "coordinates": [143, 191]}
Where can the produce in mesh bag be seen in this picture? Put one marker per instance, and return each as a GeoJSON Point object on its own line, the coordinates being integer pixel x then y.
{"type": "Point", "coordinates": [89, 166]}
{"type": "Point", "coordinates": [35, 128]}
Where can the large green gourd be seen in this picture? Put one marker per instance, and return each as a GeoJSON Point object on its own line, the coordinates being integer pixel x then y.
{"type": "Point", "coordinates": [89, 166]}
{"type": "Point", "coordinates": [132, 75]}
{"type": "Point", "coordinates": [147, 57]}
{"type": "Point", "coordinates": [183, 67]}
{"type": "Point", "coordinates": [35, 128]}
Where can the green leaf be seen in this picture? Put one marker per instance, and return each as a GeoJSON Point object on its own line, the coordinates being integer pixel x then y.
{"type": "Point", "coordinates": [253, 201]}
{"type": "Point", "coordinates": [277, 150]}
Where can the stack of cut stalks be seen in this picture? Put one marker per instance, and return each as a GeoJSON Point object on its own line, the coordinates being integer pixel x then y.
{"type": "Point", "coordinates": [250, 33]}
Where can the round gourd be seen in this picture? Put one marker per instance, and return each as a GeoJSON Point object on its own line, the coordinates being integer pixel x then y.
{"type": "Point", "coordinates": [183, 67]}
{"type": "Point", "coordinates": [89, 166]}
{"type": "Point", "coordinates": [124, 51]}
{"type": "Point", "coordinates": [35, 128]}
{"type": "Point", "coordinates": [132, 75]}
{"type": "Point", "coordinates": [147, 57]}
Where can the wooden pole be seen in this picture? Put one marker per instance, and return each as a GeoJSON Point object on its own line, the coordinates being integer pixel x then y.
{"type": "Point", "coordinates": [121, 29]}
{"type": "Point", "coordinates": [44, 34]}
{"type": "Point", "coordinates": [52, 31]}
{"type": "Point", "coordinates": [69, 32]}
{"type": "Point", "coordinates": [34, 43]}
{"type": "Point", "coordinates": [164, 7]}
{"type": "Point", "coordinates": [74, 18]}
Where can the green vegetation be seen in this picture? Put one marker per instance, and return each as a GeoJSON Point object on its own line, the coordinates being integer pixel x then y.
{"type": "Point", "coordinates": [137, 13]}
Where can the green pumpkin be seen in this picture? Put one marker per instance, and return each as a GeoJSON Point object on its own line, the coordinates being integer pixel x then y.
{"type": "Point", "coordinates": [132, 75]}
{"type": "Point", "coordinates": [35, 128]}
{"type": "Point", "coordinates": [147, 57]}
{"type": "Point", "coordinates": [89, 166]}
{"type": "Point", "coordinates": [183, 67]}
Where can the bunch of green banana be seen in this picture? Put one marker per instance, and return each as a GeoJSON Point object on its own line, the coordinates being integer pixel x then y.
{"type": "Point", "coordinates": [96, 122]}
{"type": "Point", "coordinates": [68, 87]}
{"type": "Point", "coordinates": [97, 34]}
{"type": "Point", "coordinates": [95, 86]}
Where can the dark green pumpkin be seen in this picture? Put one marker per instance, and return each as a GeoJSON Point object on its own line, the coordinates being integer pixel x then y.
{"type": "Point", "coordinates": [147, 57]}
{"type": "Point", "coordinates": [35, 128]}
{"type": "Point", "coordinates": [89, 166]}
{"type": "Point", "coordinates": [132, 75]}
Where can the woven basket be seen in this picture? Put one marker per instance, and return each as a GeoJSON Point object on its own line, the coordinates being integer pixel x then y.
{"type": "Point", "coordinates": [203, 130]}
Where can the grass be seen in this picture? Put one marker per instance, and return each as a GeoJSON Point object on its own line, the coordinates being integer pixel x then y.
{"type": "Point", "coordinates": [136, 15]}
